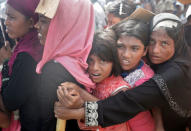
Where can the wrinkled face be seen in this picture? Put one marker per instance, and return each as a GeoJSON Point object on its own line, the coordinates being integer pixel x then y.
{"type": "Point", "coordinates": [98, 69]}
{"type": "Point", "coordinates": [17, 25]}
{"type": "Point", "coordinates": [42, 27]}
{"type": "Point", "coordinates": [112, 19]}
{"type": "Point", "coordinates": [130, 52]}
{"type": "Point", "coordinates": [161, 47]}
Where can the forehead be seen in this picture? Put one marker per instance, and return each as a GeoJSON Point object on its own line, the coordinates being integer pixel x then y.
{"type": "Point", "coordinates": [130, 41]}
{"type": "Point", "coordinates": [160, 33]}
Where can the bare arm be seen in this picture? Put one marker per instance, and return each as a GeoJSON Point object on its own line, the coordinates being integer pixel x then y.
{"type": "Point", "coordinates": [4, 119]}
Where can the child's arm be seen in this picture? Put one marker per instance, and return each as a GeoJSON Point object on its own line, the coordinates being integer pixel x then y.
{"type": "Point", "coordinates": [4, 119]}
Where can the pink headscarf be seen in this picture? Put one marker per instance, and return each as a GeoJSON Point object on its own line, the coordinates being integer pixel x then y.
{"type": "Point", "coordinates": [69, 38]}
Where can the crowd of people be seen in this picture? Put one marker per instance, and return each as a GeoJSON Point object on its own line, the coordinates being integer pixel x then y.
{"type": "Point", "coordinates": [99, 65]}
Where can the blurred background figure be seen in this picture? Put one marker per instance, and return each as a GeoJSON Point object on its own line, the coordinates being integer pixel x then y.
{"type": "Point", "coordinates": [100, 17]}
{"type": "Point", "coordinates": [118, 10]}
{"type": "Point", "coordinates": [187, 27]}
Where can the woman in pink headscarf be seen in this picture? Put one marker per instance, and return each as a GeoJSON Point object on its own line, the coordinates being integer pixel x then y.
{"type": "Point", "coordinates": [66, 29]}
{"type": "Point", "coordinates": [19, 78]}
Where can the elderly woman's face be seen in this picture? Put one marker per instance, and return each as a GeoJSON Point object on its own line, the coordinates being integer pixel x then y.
{"type": "Point", "coordinates": [17, 25]}
{"type": "Point", "coordinates": [161, 47]}
{"type": "Point", "coordinates": [42, 27]}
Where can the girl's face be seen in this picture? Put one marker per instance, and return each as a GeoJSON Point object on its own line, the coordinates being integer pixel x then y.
{"type": "Point", "coordinates": [161, 47]}
{"type": "Point", "coordinates": [98, 69]}
{"type": "Point", "coordinates": [130, 51]}
{"type": "Point", "coordinates": [42, 27]}
{"type": "Point", "coordinates": [112, 19]}
{"type": "Point", "coordinates": [17, 25]}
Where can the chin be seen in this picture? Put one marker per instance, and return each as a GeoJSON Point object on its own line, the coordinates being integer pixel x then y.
{"type": "Point", "coordinates": [156, 62]}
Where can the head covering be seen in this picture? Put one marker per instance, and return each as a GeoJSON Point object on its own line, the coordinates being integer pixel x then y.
{"type": "Point", "coordinates": [69, 38]}
{"type": "Point", "coordinates": [29, 44]}
{"type": "Point", "coordinates": [175, 74]}
{"type": "Point", "coordinates": [47, 8]}
{"type": "Point", "coordinates": [25, 7]}
{"type": "Point", "coordinates": [165, 20]}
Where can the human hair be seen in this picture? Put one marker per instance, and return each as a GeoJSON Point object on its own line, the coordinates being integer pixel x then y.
{"type": "Point", "coordinates": [104, 47]}
{"type": "Point", "coordinates": [175, 30]}
{"type": "Point", "coordinates": [135, 28]}
{"type": "Point", "coordinates": [121, 8]}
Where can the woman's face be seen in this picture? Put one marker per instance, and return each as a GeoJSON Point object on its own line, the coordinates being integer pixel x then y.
{"type": "Point", "coordinates": [161, 47]}
{"type": "Point", "coordinates": [130, 51]}
{"type": "Point", "coordinates": [17, 25]}
{"type": "Point", "coordinates": [112, 19]}
{"type": "Point", "coordinates": [42, 27]}
{"type": "Point", "coordinates": [98, 69]}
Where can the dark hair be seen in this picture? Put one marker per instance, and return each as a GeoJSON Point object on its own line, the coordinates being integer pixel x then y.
{"type": "Point", "coordinates": [182, 50]}
{"type": "Point", "coordinates": [135, 28]}
{"type": "Point", "coordinates": [104, 46]}
{"type": "Point", "coordinates": [187, 32]}
{"type": "Point", "coordinates": [125, 7]}
{"type": "Point", "coordinates": [182, 53]}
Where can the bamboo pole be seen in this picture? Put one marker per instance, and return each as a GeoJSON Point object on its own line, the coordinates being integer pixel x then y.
{"type": "Point", "coordinates": [60, 125]}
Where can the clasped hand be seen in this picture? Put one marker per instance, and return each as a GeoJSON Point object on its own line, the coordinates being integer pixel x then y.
{"type": "Point", "coordinates": [70, 102]}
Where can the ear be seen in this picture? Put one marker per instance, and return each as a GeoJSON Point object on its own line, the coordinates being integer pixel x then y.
{"type": "Point", "coordinates": [145, 51]}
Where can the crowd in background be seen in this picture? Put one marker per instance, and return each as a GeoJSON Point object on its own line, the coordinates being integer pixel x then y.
{"type": "Point", "coordinates": [156, 6]}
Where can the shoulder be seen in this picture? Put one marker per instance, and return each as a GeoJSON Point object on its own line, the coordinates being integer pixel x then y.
{"type": "Point", "coordinates": [55, 70]}
{"type": "Point", "coordinates": [23, 56]}
{"type": "Point", "coordinates": [148, 72]}
{"type": "Point", "coordinates": [24, 60]}
{"type": "Point", "coordinates": [118, 81]}
{"type": "Point", "coordinates": [145, 74]}
{"type": "Point", "coordinates": [53, 66]}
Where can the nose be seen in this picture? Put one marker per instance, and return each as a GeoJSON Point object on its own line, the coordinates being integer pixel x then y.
{"type": "Point", "coordinates": [155, 48]}
{"type": "Point", "coordinates": [37, 26]}
{"type": "Point", "coordinates": [126, 54]}
{"type": "Point", "coordinates": [95, 66]}
{"type": "Point", "coordinates": [6, 21]}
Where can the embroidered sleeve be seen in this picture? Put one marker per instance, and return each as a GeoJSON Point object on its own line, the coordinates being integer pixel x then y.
{"type": "Point", "coordinates": [91, 114]}
{"type": "Point", "coordinates": [165, 91]}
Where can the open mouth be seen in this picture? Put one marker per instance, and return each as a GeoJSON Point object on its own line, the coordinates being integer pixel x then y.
{"type": "Point", "coordinates": [125, 62]}
{"type": "Point", "coordinates": [95, 75]}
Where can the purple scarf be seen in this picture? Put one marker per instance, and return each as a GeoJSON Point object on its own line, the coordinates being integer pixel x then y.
{"type": "Point", "coordinates": [25, 7]}
{"type": "Point", "coordinates": [29, 44]}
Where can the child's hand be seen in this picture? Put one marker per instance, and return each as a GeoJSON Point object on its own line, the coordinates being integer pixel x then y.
{"type": "Point", "coordinates": [6, 51]}
{"type": "Point", "coordinates": [69, 97]}
{"type": "Point", "coordinates": [64, 113]}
